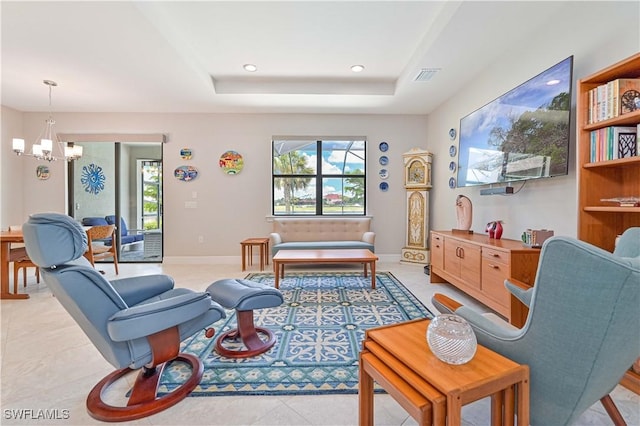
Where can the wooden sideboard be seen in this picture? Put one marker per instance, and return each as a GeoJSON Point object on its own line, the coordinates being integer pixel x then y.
{"type": "Point", "coordinates": [479, 265]}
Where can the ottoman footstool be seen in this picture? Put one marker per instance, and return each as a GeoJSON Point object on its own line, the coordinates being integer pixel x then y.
{"type": "Point", "coordinates": [244, 296]}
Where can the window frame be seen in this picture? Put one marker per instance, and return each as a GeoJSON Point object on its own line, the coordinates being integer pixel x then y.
{"type": "Point", "coordinates": [318, 176]}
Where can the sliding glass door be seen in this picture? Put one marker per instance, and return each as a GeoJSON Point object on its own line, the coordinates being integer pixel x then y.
{"type": "Point", "coordinates": [121, 183]}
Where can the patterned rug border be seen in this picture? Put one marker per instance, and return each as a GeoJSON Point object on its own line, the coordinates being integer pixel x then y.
{"type": "Point", "coordinates": [280, 371]}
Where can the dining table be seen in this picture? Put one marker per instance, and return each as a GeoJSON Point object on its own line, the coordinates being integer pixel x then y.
{"type": "Point", "coordinates": [6, 238]}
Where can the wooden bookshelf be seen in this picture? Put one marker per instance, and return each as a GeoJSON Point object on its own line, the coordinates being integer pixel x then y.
{"type": "Point", "coordinates": [600, 222]}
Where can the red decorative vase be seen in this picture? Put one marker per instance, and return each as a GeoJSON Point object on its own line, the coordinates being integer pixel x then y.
{"type": "Point", "coordinates": [498, 230]}
{"type": "Point", "coordinates": [491, 229]}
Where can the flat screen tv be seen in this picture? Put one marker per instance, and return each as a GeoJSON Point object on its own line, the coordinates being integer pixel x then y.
{"type": "Point", "coordinates": [522, 135]}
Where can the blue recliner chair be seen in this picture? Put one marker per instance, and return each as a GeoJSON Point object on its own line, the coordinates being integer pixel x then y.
{"type": "Point", "coordinates": [582, 332]}
{"type": "Point", "coordinates": [135, 323]}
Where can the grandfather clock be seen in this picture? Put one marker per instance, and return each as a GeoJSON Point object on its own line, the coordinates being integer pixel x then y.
{"type": "Point", "coordinates": [417, 183]}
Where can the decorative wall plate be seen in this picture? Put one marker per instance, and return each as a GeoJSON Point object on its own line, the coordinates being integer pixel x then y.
{"type": "Point", "coordinates": [231, 162]}
{"type": "Point", "coordinates": [452, 183]}
{"type": "Point", "coordinates": [186, 153]}
{"type": "Point", "coordinates": [185, 173]}
{"type": "Point", "coordinates": [384, 147]}
{"type": "Point", "coordinates": [384, 173]}
{"type": "Point", "coordinates": [453, 150]}
{"type": "Point", "coordinates": [384, 160]}
{"type": "Point", "coordinates": [92, 179]}
{"type": "Point", "coordinates": [452, 166]}
{"type": "Point", "coordinates": [384, 186]}
{"type": "Point", "coordinates": [42, 172]}
{"type": "Point", "coordinates": [452, 134]}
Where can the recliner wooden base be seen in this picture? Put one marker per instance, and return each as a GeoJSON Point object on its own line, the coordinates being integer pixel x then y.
{"type": "Point", "coordinates": [248, 333]}
{"type": "Point", "coordinates": [143, 401]}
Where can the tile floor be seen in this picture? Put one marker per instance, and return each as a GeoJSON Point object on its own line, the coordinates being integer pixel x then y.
{"type": "Point", "coordinates": [48, 364]}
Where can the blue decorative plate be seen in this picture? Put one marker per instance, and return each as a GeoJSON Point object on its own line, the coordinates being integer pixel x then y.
{"type": "Point", "coordinates": [452, 183]}
{"type": "Point", "coordinates": [452, 150]}
{"type": "Point", "coordinates": [185, 173]}
{"type": "Point", "coordinates": [384, 173]}
{"type": "Point", "coordinates": [186, 153]}
{"type": "Point", "coordinates": [384, 160]}
{"type": "Point", "coordinates": [384, 186]}
{"type": "Point", "coordinates": [452, 166]}
{"type": "Point", "coordinates": [384, 147]}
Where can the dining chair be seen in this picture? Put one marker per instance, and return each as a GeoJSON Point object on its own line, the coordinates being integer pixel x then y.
{"type": "Point", "coordinates": [96, 250]}
{"type": "Point", "coordinates": [18, 255]}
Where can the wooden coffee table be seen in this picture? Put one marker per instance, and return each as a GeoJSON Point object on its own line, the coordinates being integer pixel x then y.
{"type": "Point", "coordinates": [363, 256]}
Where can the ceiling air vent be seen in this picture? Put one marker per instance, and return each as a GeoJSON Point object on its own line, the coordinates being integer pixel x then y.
{"type": "Point", "coordinates": [426, 74]}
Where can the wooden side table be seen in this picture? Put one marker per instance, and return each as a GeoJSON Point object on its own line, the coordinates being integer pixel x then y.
{"type": "Point", "coordinates": [247, 249]}
{"type": "Point", "coordinates": [398, 358]}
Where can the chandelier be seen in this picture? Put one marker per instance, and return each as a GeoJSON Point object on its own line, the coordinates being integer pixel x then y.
{"type": "Point", "coordinates": [44, 149]}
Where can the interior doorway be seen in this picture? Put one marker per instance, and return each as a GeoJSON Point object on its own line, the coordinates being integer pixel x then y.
{"type": "Point", "coordinates": [120, 183]}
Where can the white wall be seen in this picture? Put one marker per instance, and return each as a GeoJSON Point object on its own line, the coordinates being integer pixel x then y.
{"type": "Point", "coordinates": [547, 203]}
{"type": "Point", "coordinates": [11, 169]}
{"type": "Point", "coordinates": [231, 208]}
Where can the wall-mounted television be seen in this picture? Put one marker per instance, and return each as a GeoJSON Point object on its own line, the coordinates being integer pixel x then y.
{"type": "Point", "coordinates": [522, 135]}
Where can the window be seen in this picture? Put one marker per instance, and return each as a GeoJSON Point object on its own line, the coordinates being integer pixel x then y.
{"type": "Point", "coordinates": [319, 177]}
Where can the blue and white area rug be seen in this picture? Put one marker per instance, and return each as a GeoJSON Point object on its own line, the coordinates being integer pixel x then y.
{"type": "Point", "coordinates": [319, 330]}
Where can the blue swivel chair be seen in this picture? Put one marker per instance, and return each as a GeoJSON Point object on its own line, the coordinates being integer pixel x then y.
{"type": "Point", "coordinates": [135, 323]}
{"type": "Point", "coordinates": [582, 332]}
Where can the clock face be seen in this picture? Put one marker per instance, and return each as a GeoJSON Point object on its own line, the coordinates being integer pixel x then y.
{"type": "Point", "coordinates": [415, 173]}
{"type": "Point", "coordinates": [630, 101]}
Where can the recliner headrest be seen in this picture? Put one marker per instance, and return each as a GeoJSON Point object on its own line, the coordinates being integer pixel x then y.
{"type": "Point", "coordinates": [53, 239]}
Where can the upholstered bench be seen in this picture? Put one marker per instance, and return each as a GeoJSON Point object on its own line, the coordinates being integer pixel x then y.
{"type": "Point", "coordinates": [321, 233]}
{"type": "Point", "coordinates": [244, 296]}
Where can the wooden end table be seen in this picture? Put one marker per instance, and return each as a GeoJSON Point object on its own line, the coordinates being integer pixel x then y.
{"type": "Point", "coordinates": [364, 256]}
{"type": "Point", "coordinates": [433, 392]}
{"type": "Point", "coordinates": [247, 248]}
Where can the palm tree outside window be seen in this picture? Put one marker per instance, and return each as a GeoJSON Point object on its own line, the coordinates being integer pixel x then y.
{"type": "Point", "coordinates": [319, 177]}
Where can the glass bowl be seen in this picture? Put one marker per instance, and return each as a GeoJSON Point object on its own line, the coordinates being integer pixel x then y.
{"type": "Point", "coordinates": [451, 339]}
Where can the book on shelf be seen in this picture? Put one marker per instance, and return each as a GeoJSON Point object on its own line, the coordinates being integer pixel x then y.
{"type": "Point", "coordinates": [613, 142]}
{"type": "Point", "coordinates": [613, 99]}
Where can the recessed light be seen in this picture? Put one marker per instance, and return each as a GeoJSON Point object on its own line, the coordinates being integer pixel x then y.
{"type": "Point", "coordinates": [250, 67]}
{"type": "Point", "coordinates": [357, 68]}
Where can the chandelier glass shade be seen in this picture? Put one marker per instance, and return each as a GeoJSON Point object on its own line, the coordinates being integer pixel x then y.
{"type": "Point", "coordinates": [44, 149]}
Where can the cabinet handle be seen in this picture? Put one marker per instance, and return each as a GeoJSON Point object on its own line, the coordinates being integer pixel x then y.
{"type": "Point", "coordinates": [494, 266]}
{"type": "Point", "coordinates": [461, 256]}
{"type": "Point", "coordinates": [495, 255]}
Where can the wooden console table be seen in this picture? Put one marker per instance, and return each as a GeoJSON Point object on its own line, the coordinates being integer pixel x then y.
{"type": "Point", "coordinates": [479, 266]}
{"type": "Point", "coordinates": [433, 392]}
